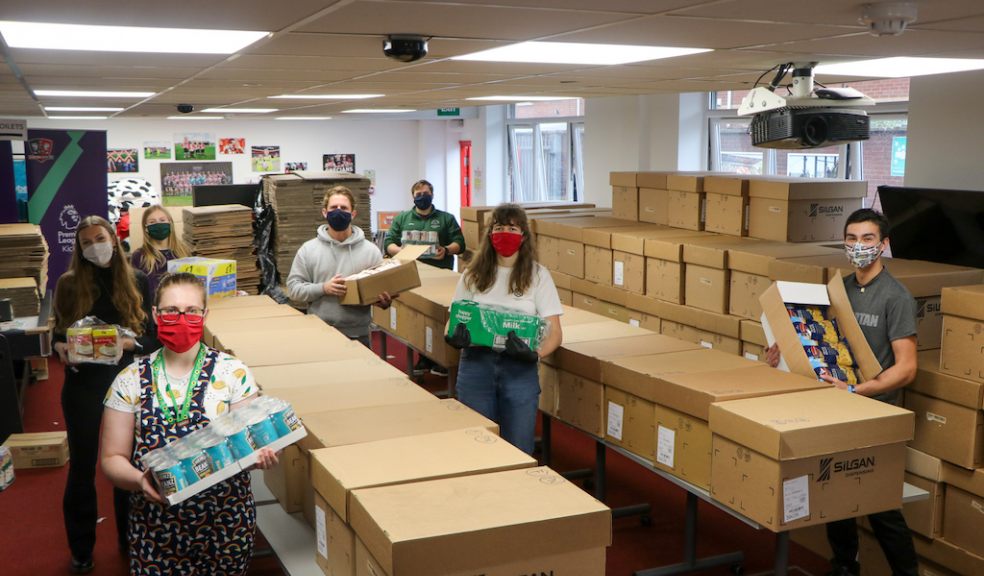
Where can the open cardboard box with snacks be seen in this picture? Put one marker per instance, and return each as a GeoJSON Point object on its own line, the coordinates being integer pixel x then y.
{"type": "Point", "coordinates": [392, 275]}
{"type": "Point", "coordinates": [832, 297]}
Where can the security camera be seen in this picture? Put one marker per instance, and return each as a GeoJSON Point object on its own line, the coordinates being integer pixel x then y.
{"type": "Point", "coordinates": [405, 48]}
{"type": "Point", "coordinates": [186, 108]}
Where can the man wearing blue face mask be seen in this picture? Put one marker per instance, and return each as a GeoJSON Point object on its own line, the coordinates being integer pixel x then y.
{"type": "Point", "coordinates": [886, 312]}
{"type": "Point", "coordinates": [318, 273]}
{"type": "Point", "coordinates": [424, 223]}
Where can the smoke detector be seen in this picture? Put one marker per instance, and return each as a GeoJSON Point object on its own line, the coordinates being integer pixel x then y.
{"type": "Point", "coordinates": [888, 18]}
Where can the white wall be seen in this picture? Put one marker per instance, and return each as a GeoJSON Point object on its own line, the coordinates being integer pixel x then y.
{"type": "Point", "coordinates": [944, 133]}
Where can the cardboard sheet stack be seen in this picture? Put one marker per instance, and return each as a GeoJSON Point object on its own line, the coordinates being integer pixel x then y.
{"type": "Point", "coordinates": [23, 295]}
{"type": "Point", "coordinates": [296, 199]}
{"type": "Point", "coordinates": [225, 232]}
{"type": "Point", "coordinates": [23, 252]}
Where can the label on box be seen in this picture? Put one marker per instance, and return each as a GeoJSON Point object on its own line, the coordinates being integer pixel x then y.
{"type": "Point", "coordinates": [935, 418]}
{"type": "Point", "coordinates": [633, 322]}
{"type": "Point", "coordinates": [707, 344]}
{"type": "Point", "coordinates": [392, 318]}
{"type": "Point", "coordinates": [322, 528]}
{"type": "Point", "coordinates": [615, 414]}
{"type": "Point", "coordinates": [752, 357]}
{"type": "Point", "coordinates": [775, 209]}
{"type": "Point", "coordinates": [795, 498]}
{"type": "Point", "coordinates": [428, 339]}
{"type": "Point", "coordinates": [665, 443]}
{"type": "Point", "coordinates": [619, 274]}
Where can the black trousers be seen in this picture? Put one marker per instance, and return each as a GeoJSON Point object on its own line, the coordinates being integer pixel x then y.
{"type": "Point", "coordinates": [893, 536]}
{"type": "Point", "coordinates": [82, 405]}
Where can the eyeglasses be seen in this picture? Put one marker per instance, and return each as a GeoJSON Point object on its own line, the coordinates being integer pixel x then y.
{"type": "Point", "coordinates": [172, 314]}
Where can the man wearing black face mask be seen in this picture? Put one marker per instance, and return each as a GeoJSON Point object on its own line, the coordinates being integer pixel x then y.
{"type": "Point", "coordinates": [318, 273]}
{"type": "Point", "coordinates": [424, 218]}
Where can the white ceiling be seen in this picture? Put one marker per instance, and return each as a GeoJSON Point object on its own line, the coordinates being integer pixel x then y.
{"type": "Point", "coordinates": [335, 46]}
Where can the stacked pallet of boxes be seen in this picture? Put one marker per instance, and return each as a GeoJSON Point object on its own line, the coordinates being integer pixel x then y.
{"type": "Point", "coordinates": [224, 232]}
{"type": "Point", "coordinates": [23, 254]}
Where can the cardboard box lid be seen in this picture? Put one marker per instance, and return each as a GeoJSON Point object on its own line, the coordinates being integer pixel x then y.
{"type": "Point", "coordinates": [751, 331]}
{"type": "Point", "coordinates": [265, 348]}
{"type": "Point", "coordinates": [645, 304]}
{"type": "Point", "coordinates": [931, 381]}
{"type": "Point", "coordinates": [350, 394]}
{"type": "Point", "coordinates": [713, 254]}
{"type": "Point", "coordinates": [924, 279]}
{"type": "Point", "coordinates": [335, 472]}
{"type": "Point", "coordinates": [923, 465]}
{"type": "Point", "coordinates": [599, 291]}
{"type": "Point", "coordinates": [723, 324]}
{"type": "Point", "coordinates": [36, 439]}
{"type": "Point", "coordinates": [603, 330]}
{"type": "Point", "coordinates": [810, 423]}
{"type": "Point", "coordinates": [655, 180]}
{"type": "Point", "coordinates": [570, 227]}
{"type": "Point", "coordinates": [470, 522]}
{"type": "Point", "coordinates": [967, 480]}
{"type": "Point", "coordinates": [756, 258]}
{"type": "Point", "coordinates": [241, 302]}
{"type": "Point", "coordinates": [627, 179]}
{"type": "Point", "coordinates": [633, 240]}
{"type": "Point", "coordinates": [239, 313]}
{"type": "Point", "coordinates": [694, 393]}
{"type": "Point", "coordinates": [671, 248]}
{"type": "Point", "coordinates": [604, 237]}
{"type": "Point", "coordinates": [584, 358]}
{"type": "Point", "coordinates": [343, 427]}
{"type": "Point", "coordinates": [729, 184]}
{"type": "Point", "coordinates": [325, 372]}
{"type": "Point", "coordinates": [965, 301]}
{"type": "Point", "coordinates": [228, 325]}
{"type": "Point", "coordinates": [641, 375]}
{"type": "Point", "coordinates": [561, 280]}
{"type": "Point", "coordinates": [686, 181]}
{"type": "Point", "coordinates": [784, 188]}
{"type": "Point", "coordinates": [433, 297]}
{"type": "Point", "coordinates": [573, 316]}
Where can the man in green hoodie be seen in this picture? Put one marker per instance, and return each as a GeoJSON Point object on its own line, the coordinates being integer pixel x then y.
{"type": "Point", "coordinates": [425, 217]}
{"type": "Point", "coordinates": [318, 273]}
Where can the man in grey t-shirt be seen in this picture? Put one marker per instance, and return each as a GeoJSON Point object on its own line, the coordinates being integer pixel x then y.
{"type": "Point", "coordinates": [886, 312]}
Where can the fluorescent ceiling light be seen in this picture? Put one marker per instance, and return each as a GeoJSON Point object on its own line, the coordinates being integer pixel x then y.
{"type": "Point", "coordinates": [78, 117]}
{"type": "Point", "coordinates": [47, 36]}
{"type": "Point", "coordinates": [83, 109]}
{"type": "Point", "coordinates": [195, 118]}
{"type": "Point", "coordinates": [304, 118]}
{"type": "Point", "coordinates": [240, 110]}
{"type": "Point", "coordinates": [377, 111]}
{"type": "Point", "coordinates": [328, 96]}
{"type": "Point", "coordinates": [522, 98]}
{"type": "Point", "coordinates": [577, 53]}
{"type": "Point", "coordinates": [901, 67]}
{"type": "Point", "coordinates": [93, 93]}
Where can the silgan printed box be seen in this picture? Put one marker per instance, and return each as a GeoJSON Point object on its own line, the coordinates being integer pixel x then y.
{"type": "Point", "coordinates": [219, 275]}
{"type": "Point", "coordinates": [490, 326]}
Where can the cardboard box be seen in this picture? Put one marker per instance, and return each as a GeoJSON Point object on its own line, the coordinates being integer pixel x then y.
{"type": "Point", "coordinates": [549, 382]}
{"type": "Point", "coordinates": [547, 252]}
{"type": "Point", "coordinates": [275, 347]}
{"type": "Point", "coordinates": [931, 381]}
{"type": "Point", "coordinates": [393, 275]}
{"type": "Point", "coordinates": [752, 351]}
{"type": "Point", "coordinates": [664, 265]}
{"type": "Point", "coordinates": [802, 210]}
{"type": "Point", "coordinates": [963, 332]}
{"type": "Point", "coordinates": [371, 423]}
{"type": "Point", "coordinates": [963, 517]}
{"type": "Point", "coordinates": [336, 472]}
{"type": "Point", "coordinates": [685, 210]}
{"type": "Point", "coordinates": [703, 320]}
{"type": "Point", "coordinates": [598, 265]}
{"type": "Point", "coordinates": [38, 449]}
{"type": "Point", "coordinates": [586, 358]}
{"type": "Point", "coordinates": [257, 313]}
{"type": "Point", "coordinates": [707, 288]}
{"type": "Point", "coordinates": [349, 394]}
{"type": "Point", "coordinates": [726, 199]}
{"type": "Point", "coordinates": [434, 346]}
{"type": "Point", "coordinates": [942, 553]}
{"type": "Point", "coordinates": [629, 179]}
{"type": "Point", "coordinates": [580, 402]}
{"type": "Point", "coordinates": [226, 326]}
{"type": "Point", "coordinates": [630, 422]}
{"type": "Point", "coordinates": [946, 430]}
{"type": "Point", "coordinates": [625, 202]}
{"type": "Point", "coordinates": [218, 275]}
{"type": "Point", "coordinates": [654, 205]}
{"type": "Point", "coordinates": [434, 296]}
{"type": "Point", "coordinates": [334, 541]}
{"type": "Point", "coordinates": [470, 230]}
{"type": "Point", "coordinates": [477, 523]}
{"type": "Point", "coordinates": [645, 376]}
{"type": "Point", "coordinates": [925, 516]}
{"type": "Point", "coordinates": [241, 302]}
{"type": "Point", "coordinates": [810, 457]}
{"type": "Point", "coordinates": [607, 328]}
{"type": "Point", "coordinates": [288, 480]}
{"type": "Point", "coordinates": [778, 328]}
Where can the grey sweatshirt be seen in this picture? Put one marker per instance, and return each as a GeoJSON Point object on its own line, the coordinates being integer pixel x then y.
{"type": "Point", "coordinates": [317, 261]}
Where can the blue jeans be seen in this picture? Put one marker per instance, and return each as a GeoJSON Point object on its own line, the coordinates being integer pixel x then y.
{"type": "Point", "coordinates": [504, 390]}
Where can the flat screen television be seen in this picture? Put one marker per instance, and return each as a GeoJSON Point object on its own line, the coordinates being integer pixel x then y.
{"type": "Point", "coordinates": [213, 195]}
{"type": "Point", "coordinates": [938, 225]}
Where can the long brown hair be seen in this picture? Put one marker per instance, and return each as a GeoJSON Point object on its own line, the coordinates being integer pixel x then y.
{"type": "Point", "coordinates": [77, 291]}
{"type": "Point", "coordinates": [152, 257]}
{"type": "Point", "coordinates": [481, 272]}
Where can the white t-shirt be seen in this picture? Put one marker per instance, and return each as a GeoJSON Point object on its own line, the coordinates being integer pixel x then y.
{"type": "Point", "coordinates": [231, 382]}
{"type": "Point", "coordinates": [540, 300]}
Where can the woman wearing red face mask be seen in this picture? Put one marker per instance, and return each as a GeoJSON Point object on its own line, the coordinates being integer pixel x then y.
{"type": "Point", "coordinates": [505, 386]}
{"type": "Point", "coordinates": [163, 397]}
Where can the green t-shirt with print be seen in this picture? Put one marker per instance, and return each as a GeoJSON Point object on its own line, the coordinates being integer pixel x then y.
{"type": "Point", "coordinates": [439, 221]}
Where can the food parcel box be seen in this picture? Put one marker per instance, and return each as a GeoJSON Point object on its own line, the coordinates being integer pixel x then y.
{"type": "Point", "coordinates": [685, 206]}
{"type": "Point", "coordinates": [683, 438]}
{"type": "Point", "coordinates": [810, 457]}
{"type": "Point", "coordinates": [336, 472]}
{"type": "Point", "coordinates": [568, 235]}
{"type": "Point", "coordinates": [632, 387]}
{"type": "Point", "coordinates": [654, 198]}
{"type": "Point", "coordinates": [664, 264]}
{"type": "Point", "coordinates": [528, 521]}
{"type": "Point", "coordinates": [625, 195]}
{"type": "Point", "coordinates": [273, 347]}
{"type": "Point", "coordinates": [926, 472]}
{"type": "Point", "coordinates": [38, 449]}
{"type": "Point", "coordinates": [708, 276]}
{"type": "Point", "coordinates": [949, 420]}
{"type": "Point", "coordinates": [392, 275]}
{"type": "Point", "coordinates": [598, 245]}
{"type": "Point", "coordinates": [800, 209]}
{"type": "Point", "coordinates": [709, 329]}
{"type": "Point", "coordinates": [963, 332]}
{"type": "Point", "coordinates": [779, 329]}
{"type": "Point", "coordinates": [257, 314]}
{"type": "Point", "coordinates": [606, 328]}
{"type": "Point", "coordinates": [726, 201]}
{"type": "Point", "coordinates": [241, 302]}
{"type": "Point", "coordinates": [601, 299]}
{"type": "Point", "coordinates": [629, 254]}
{"type": "Point", "coordinates": [358, 425]}
{"type": "Point", "coordinates": [398, 320]}
{"type": "Point", "coordinates": [753, 342]}
{"type": "Point", "coordinates": [963, 514]}
{"type": "Point", "coordinates": [219, 328]}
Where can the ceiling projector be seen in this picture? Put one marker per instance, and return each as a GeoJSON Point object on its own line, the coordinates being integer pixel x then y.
{"type": "Point", "coordinates": [808, 117]}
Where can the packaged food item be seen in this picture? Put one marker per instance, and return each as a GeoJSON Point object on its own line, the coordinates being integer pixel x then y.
{"type": "Point", "coordinates": [489, 325]}
{"type": "Point", "coordinates": [828, 352]}
{"type": "Point", "coordinates": [283, 417]}
{"type": "Point", "coordinates": [106, 344]}
{"type": "Point", "coordinates": [217, 449]}
{"type": "Point", "coordinates": [79, 342]}
{"type": "Point", "coordinates": [193, 459]}
{"type": "Point", "coordinates": [92, 341]}
{"type": "Point", "coordinates": [169, 475]}
{"type": "Point", "coordinates": [260, 426]}
{"type": "Point", "coordinates": [6, 468]}
{"type": "Point", "coordinates": [236, 432]}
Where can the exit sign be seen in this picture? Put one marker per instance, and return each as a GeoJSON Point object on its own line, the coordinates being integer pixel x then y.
{"type": "Point", "coordinates": [449, 111]}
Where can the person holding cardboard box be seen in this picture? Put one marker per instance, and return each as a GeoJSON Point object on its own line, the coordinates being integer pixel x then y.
{"type": "Point", "coordinates": [161, 244]}
{"type": "Point", "coordinates": [504, 386]}
{"type": "Point", "coordinates": [153, 402]}
{"type": "Point", "coordinates": [886, 312]}
{"type": "Point", "coordinates": [425, 217]}
{"type": "Point", "coordinates": [317, 276]}
{"type": "Point", "coordinates": [101, 283]}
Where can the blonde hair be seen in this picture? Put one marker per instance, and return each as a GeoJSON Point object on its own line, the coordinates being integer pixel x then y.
{"type": "Point", "coordinates": [338, 191]}
{"type": "Point", "coordinates": [152, 257]}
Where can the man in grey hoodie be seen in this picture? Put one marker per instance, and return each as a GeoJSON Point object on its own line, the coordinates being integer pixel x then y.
{"type": "Point", "coordinates": [318, 273]}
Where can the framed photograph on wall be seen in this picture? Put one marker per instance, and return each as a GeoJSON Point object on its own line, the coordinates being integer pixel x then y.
{"type": "Point", "coordinates": [338, 163]}
{"type": "Point", "coordinates": [194, 146]}
{"type": "Point", "coordinates": [157, 150]}
{"type": "Point", "coordinates": [266, 158]}
{"type": "Point", "coordinates": [177, 179]}
{"type": "Point", "coordinates": [232, 145]}
{"type": "Point", "coordinates": [295, 166]}
{"type": "Point", "coordinates": [122, 160]}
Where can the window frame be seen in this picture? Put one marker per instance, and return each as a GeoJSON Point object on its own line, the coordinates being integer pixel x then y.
{"type": "Point", "coordinates": [573, 188]}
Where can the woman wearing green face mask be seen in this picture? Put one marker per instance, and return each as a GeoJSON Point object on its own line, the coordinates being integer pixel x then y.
{"type": "Point", "coordinates": [161, 244]}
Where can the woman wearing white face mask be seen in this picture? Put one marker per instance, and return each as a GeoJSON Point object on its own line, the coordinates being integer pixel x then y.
{"type": "Point", "coordinates": [99, 282]}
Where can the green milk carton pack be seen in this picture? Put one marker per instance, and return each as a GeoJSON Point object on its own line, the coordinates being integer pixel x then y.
{"type": "Point", "coordinates": [489, 325]}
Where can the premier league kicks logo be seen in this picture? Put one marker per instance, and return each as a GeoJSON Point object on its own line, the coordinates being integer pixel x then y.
{"type": "Point", "coordinates": [40, 149]}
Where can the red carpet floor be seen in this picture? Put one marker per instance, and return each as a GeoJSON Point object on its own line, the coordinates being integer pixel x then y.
{"type": "Point", "coordinates": [33, 542]}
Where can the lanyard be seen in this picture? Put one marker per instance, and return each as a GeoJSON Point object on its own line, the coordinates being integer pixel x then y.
{"type": "Point", "coordinates": [171, 413]}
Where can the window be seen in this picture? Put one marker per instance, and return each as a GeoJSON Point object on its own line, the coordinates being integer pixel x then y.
{"type": "Point", "coordinates": [546, 161]}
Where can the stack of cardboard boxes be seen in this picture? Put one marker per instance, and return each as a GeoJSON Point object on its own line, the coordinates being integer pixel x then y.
{"type": "Point", "coordinates": [224, 231]}
{"type": "Point", "coordinates": [24, 253]}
